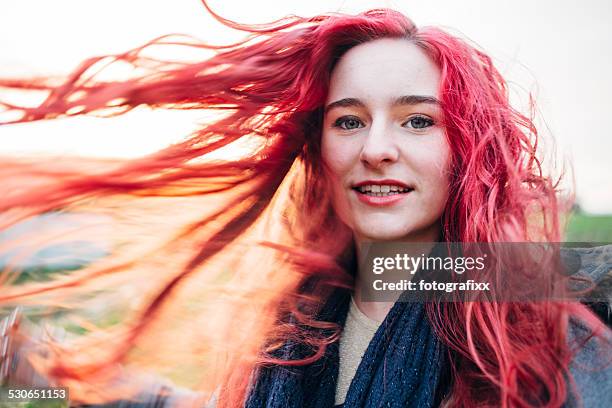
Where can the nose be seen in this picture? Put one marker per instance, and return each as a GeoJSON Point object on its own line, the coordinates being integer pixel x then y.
{"type": "Point", "coordinates": [379, 148]}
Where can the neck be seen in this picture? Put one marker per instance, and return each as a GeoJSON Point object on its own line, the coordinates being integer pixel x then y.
{"type": "Point", "coordinates": [377, 310]}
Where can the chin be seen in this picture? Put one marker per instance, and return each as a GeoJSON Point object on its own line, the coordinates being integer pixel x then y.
{"type": "Point", "coordinates": [398, 232]}
{"type": "Point", "coordinates": [383, 232]}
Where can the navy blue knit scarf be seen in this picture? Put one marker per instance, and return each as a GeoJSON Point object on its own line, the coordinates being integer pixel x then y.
{"type": "Point", "coordinates": [402, 367]}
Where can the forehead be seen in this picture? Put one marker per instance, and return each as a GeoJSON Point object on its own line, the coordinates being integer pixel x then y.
{"type": "Point", "coordinates": [381, 70]}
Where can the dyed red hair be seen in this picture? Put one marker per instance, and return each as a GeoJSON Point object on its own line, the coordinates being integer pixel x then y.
{"type": "Point", "coordinates": [265, 221]}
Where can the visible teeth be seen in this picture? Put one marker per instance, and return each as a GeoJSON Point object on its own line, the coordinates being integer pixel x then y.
{"type": "Point", "coordinates": [380, 190]}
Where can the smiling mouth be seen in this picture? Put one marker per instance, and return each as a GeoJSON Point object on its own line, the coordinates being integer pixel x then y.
{"type": "Point", "coordinates": [375, 190]}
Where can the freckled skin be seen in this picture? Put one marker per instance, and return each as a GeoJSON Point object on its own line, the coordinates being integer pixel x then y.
{"type": "Point", "coordinates": [383, 140]}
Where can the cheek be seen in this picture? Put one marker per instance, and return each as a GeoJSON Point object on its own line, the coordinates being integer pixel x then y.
{"type": "Point", "coordinates": [431, 162]}
{"type": "Point", "coordinates": [339, 156]}
{"type": "Point", "coordinates": [435, 163]}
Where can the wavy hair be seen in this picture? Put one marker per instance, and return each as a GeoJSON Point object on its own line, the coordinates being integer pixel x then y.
{"type": "Point", "coordinates": [214, 284]}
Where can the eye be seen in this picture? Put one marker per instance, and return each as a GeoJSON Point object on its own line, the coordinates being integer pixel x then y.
{"type": "Point", "coordinates": [348, 123]}
{"type": "Point", "coordinates": [419, 122]}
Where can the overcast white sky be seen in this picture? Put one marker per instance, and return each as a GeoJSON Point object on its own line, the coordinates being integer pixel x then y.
{"type": "Point", "coordinates": [561, 51]}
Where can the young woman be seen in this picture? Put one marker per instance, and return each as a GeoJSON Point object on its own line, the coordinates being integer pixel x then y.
{"type": "Point", "coordinates": [368, 129]}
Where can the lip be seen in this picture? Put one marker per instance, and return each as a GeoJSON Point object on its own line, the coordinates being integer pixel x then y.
{"type": "Point", "coordinates": [381, 201]}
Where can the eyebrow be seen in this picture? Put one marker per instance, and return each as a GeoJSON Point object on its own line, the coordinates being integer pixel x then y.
{"type": "Point", "coordinates": [402, 100]}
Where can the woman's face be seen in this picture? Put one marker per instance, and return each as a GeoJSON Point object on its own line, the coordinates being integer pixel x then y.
{"type": "Point", "coordinates": [384, 144]}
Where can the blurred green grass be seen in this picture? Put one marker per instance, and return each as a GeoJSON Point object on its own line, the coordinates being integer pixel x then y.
{"type": "Point", "coordinates": [589, 228]}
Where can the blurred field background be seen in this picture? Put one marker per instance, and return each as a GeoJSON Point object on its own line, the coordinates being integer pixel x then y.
{"type": "Point", "coordinates": [589, 228]}
{"type": "Point", "coordinates": [582, 228]}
